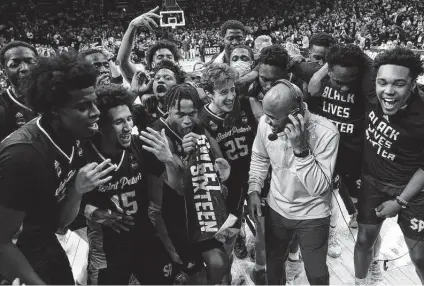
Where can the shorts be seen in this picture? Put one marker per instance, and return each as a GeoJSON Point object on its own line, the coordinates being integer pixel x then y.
{"type": "Point", "coordinates": [410, 220]}
{"type": "Point", "coordinates": [348, 170]}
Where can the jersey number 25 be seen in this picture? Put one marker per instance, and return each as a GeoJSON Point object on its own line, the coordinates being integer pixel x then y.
{"type": "Point", "coordinates": [235, 148]}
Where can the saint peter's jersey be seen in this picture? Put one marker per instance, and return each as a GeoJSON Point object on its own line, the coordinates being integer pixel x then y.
{"type": "Point", "coordinates": [394, 144]}
{"type": "Point", "coordinates": [13, 114]}
{"type": "Point", "coordinates": [126, 193]}
{"type": "Point", "coordinates": [143, 119]}
{"type": "Point", "coordinates": [47, 171]}
{"type": "Point", "coordinates": [235, 138]}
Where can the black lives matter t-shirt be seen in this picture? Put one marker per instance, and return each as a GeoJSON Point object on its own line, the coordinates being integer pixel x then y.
{"type": "Point", "coordinates": [394, 145]}
{"type": "Point", "coordinates": [345, 110]}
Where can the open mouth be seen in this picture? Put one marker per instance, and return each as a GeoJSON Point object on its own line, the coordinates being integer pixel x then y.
{"type": "Point", "coordinates": [186, 130]}
{"type": "Point", "coordinates": [161, 89]}
{"type": "Point", "coordinates": [126, 138]}
{"type": "Point", "coordinates": [93, 127]}
{"type": "Point", "coordinates": [388, 103]}
{"type": "Point", "coordinates": [229, 103]}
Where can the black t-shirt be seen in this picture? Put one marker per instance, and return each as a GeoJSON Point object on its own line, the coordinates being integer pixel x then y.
{"type": "Point", "coordinates": [34, 175]}
{"type": "Point", "coordinates": [394, 144]}
{"type": "Point", "coordinates": [126, 192]}
{"type": "Point", "coordinates": [13, 113]}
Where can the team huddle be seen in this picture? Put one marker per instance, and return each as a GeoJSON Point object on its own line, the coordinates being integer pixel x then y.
{"type": "Point", "coordinates": [165, 174]}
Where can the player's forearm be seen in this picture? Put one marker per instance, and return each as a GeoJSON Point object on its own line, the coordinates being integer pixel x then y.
{"type": "Point", "coordinates": [315, 83]}
{"type": "Point", "coordinates": [69, 208]}
{"type": "Point", "coordinates": [124, 53]}
{"type": "Point", "coordinates": [414, 187]}
{"type": "Point", "coordinates": [13, 264]}
{"type": "Point", "coordinates": [247, 80]}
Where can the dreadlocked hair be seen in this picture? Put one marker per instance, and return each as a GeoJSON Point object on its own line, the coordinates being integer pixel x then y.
{"type": "Point", "coordinates": [322, 39]}
{"type": "Point", "coordinates": [217, 75]}
{"type": "Point", "coordinates": [401, 57]}
{"type": "Point", "coordinates": [51, 80]}
{"type": "Point", "coordinates": [178, 72]}
{"type": "Point", "coordinates": [348, 55]}
{"type": "Point", "coordinates": [12, 45]}
{"type": "Point", "coordinates": [179, 92]}
{"type": "Point", "coordinates": [110, 96]}
{"type": "Point", "coordinates": [232, 25]}
{"type": "Point", "coordinates": [163, 44]}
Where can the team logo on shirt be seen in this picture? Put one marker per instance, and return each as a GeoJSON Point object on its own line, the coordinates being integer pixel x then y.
{"type": "Point", "coordinates": [20, 119]}
{"type": "Point", "coordinates": [244, 119]}
{"type": "Point", "coordinates": [57, 168]}
{"type": "Point", "coordinates": [213, 125]}
{"type": "Point", "coordinates": [133, 162]}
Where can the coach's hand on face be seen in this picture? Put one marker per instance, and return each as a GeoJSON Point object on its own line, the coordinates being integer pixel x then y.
{"type": "Point", "coordinates": [92, 175]}
{"type": "Point", "coordinates": [388, 209]}
{"type": "Point", "coordinates": [189, 142]}
{"type": "Point", "coordinates": [254, 205]}
{"type": "Point", "coordinates": [295, 132]}
{"type": "Point", "coordinates": [116, 221]}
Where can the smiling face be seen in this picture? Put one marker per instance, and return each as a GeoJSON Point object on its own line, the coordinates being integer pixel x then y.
{"type": "Point", "coordinates": [120, 124]}
{"type": "Point", "coordinates": [223, 98]}
{"type": "Point", "coordinates": [393, 86]}
{"type": "Point", "coordinates": [164, 79]}
{"type": "Point", "coordinates": [80, 114]}
{"type": "Point", "coordinates": [162, 54]}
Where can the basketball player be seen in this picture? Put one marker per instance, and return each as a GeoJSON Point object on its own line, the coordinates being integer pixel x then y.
{"type": "Point", "coordinates": [231, 122]}
{"type": "Point", "coordinates": [48, 157]}
{"type": "Point", "coordinates": [120, 207]}
{"type": "Point", "coordinates": [180, 134]}
{"type": "Point", "coordinates": [393, 169]}
{"type": "Point", "coordinates": [100, 62]}
{"type": "Point", "coordinates": [16, 58]}
{"type": "Point", "coordinates": [166, 75]}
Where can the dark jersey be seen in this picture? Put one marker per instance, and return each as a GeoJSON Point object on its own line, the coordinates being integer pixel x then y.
{"type": "Point", "coordinates": [126, 192]}
{"type": "Point", "coordinates": [35, 174]}
{"type": "Point", "coordinates": [143, 119]}
{"type": "Point", "coordinates": [13, 113]}
{"type": "Point", "coordinates": [235, 139]}
{"type": "Point", "coordinates": [394, 144]}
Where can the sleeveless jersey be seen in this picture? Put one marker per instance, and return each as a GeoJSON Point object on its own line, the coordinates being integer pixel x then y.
{"type": "Point", "coordinates": [16, 114]}
{"type": "Point", "coordinates": [41, 219]}
{"type": "Point", "coordinates": [235, 139]}
{"type": "Point", "coordinates": [126, 193]}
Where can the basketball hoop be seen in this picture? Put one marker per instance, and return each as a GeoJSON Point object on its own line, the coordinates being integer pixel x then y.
{"type": "Point", "coordinates": [171, 15]}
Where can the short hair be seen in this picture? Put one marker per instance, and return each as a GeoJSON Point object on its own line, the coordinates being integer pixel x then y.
{"type": "Point", "coordinates": [163, 44]}
{"type": "Point", "coordinates": [178, 72]}
{"type": "Point", "coordinates": [232, 24]}
{"type": "Point", "coordinates": [401, 57]}
{"type": "Point", "coordinates": [12, 45]}
{"type": "Point", "coordinates": [348, 55]}
{"type": "Point", "coordinates": [322, 39]}
{"type": "Point", "coordinates": [83, 54]}
{"type": "Point", "coordinates": [110, 96]}
{"type": "Point", "coordinates": [179, 92]}
{"type": "Point", "coordinates": [251, 54]}
{"type": "Point", "coordinates": [216, 75]}
{"type": "Point", "coordinates": [275, 55]}
{"type": "Point", "coordinates": [49, 82]}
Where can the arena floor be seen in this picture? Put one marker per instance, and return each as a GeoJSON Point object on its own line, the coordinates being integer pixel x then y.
{"type": "Point", "coordinates": [400, 272]}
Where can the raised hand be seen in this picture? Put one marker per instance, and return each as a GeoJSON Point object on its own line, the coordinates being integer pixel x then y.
{"type": "Point", "coordinates": [147, 19]}
{"type": "Point", "coordinates": [118, 222]}
{"type": "Point", "coordinates": [92, 175]}
{"type": "Point", "coordinates": [158, 142]}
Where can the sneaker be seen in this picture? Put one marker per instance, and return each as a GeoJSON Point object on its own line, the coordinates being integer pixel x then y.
{"type": "Point", "coordinates": [353, 223]}
{"type": "Point", "coordinates": [259, 277]}
{"type": "Point", "coordinates": [293, 269]}
{"type": "Point", "coordinates": [240, 250]}
{"type": "Point", "coordinates": [334, 248]}
{"type": "Point", "coordinates": [360, 282]}
{"type": "Point", "coordinates": [374, 273]}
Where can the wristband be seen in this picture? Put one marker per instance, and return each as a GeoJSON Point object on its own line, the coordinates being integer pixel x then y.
{"type": "Point", "coordinates": [401, 202]}
{"type": "Point", "coordinates": [305, 153]}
